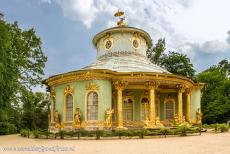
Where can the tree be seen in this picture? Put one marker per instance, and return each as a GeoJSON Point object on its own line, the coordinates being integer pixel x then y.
{"type": "Point", "coordinates": [35, 110]}
{"type": "Point", "coordinates": [21, 61]}
{"type": "Point", "coordinates": [21, 67]}
{"type": "Point", "coordinates": [174, 62]}
{"type": "Point", "coordinates": [178, 63]}
{"type": "Point", "coordinates": [154, 53]}
{"type": "Point", "coordinates": [215, 102]}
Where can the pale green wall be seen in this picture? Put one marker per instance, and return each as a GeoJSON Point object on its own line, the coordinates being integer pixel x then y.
{"type": "Point", "coordinates": [195, 102]}
{"type": "Point", "coordinates": [80, 92]}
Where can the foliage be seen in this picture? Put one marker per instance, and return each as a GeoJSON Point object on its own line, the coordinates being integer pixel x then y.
{"type": "Point", "coordinates": [174, 62]}
{"type": "Point", "coordinates": [35, 110]}
{"type": "Point", "coordinates": [25, 132]}
{"type": "Point", "coordinates": [219, 127]}
{"type": "Point", "coordinates": [99, 133]}
{"type": "Point", "coordinates": [21, 67]}
{"type": "Point", "coordinates": [183, 128]}
{"type": "Point", "coordinates": [215, 102]}
{"type": "Point", "coordinates": [178, 63]}
{"type": "Point", "coordinates": [7, 128]}
{"type": "Point", "coordinates": [155, 52]}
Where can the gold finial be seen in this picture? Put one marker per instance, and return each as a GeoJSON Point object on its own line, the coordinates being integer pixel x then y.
{"type": "Point", "coordinates": [121, 16]}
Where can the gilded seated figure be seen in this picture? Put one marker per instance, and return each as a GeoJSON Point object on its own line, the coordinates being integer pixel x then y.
{"type": "Point", "coordinates": [198, 116]}
{"type": "Point", "coordinates": [158, 123]}
{"type": "Point", "coordinates": [176, 119]}
{"type": "Point", "coordinates": [57, 119]}
{"type": "Point", "coordinates": [108, 120]}
{"type": "Point", "coordinates": [77, 118]}
{"type": "Point", "coordinates": [183, 120]}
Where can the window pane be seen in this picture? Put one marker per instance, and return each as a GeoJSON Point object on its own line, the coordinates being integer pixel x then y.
{"type": "Point", "coordinates": [169, 110]}
{"type": "Point", "coordinates": [92, 106]}
{"type": "Point", "coordinates": [128, 109]}
{"type": "Point", "coordinates": [144, 108]}
{"type": "Point", "coordinates": [69, 108]}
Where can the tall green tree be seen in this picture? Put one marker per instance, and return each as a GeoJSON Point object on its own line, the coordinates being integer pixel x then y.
{"type": "Point", "coordinates": [21, 61]}
{"type": "Point", "coordinates": [178, 63]}
{"type": "Point", "coordinates": [155, 52]}
{"type": "Point", "coordinates": [215, 102]}
{"type": "Point", "coordinates": [21, 66]}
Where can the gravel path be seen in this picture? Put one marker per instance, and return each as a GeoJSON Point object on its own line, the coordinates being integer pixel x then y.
{"type": "Point", "coordinates": [208, 143]}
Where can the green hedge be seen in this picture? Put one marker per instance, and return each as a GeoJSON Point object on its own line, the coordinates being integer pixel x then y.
{"type": "Point", "coordinates": [97, 134]}
{"type": "Point", "coordinates": [7, 128]}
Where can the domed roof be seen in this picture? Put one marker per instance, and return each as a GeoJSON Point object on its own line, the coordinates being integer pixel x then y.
{"type": "Point", "coordinates": [123, 56]}
{"type": "Point", "coordinates": [125, 62]}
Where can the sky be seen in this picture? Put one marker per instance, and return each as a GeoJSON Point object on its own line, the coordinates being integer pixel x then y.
{"type": "Point", "coordinates": [198, 28]}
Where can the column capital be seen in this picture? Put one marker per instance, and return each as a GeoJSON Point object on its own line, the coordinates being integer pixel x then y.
{"type": "Point", "coordinates": [52, 92]}
{"type": "Point", "coordinates": [152, 84]}
{"type": "Point", "coordinates": [181, 88]}
{"type": "Point", "coordinates": [120, 85]}
{"type": "Point", "coordinates": [188, 90]}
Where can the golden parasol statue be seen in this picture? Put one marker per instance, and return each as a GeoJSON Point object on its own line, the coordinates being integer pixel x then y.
{"type": "Point", "coordinates": [120, 15]}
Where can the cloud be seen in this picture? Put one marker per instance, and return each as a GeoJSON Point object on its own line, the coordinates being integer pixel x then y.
{"type": "Point", "coordinates": [187, 25]}
{"type": "Point", "coordinates": [228, 38]}
{"type": "Point", "coordinates": [151, 15]}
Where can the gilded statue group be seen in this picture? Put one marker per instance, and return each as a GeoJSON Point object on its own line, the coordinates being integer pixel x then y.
{"type": "Point", "coordinates": [108, 119]}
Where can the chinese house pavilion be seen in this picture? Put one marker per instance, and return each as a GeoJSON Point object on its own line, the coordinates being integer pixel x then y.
{"type": "Point", "coordinates": [122, 89]}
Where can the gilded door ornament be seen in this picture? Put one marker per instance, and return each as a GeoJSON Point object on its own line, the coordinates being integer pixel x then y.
{"type": "Point", "coordinates": [108, 119]}
{"type": "Point", "coordinates": [77, 118]}
{"type": "Point", "coordinates": [68, 90]}
{"type": "Point", "coordinates": [92, 86]}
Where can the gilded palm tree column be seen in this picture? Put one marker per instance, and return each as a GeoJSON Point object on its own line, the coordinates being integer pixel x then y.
{"type": "Point", "coordinates": [188, 104]}
{"type": "Point", "coordinates": [152, 86]}
{"type": "Point", "coordinates": [119, 86]}
{"type": "Point", "coordinates": [181, 89]}
{"type": "Point", "coordinates": [53, 103]}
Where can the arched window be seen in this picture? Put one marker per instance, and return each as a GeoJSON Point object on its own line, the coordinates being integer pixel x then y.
{"type": "Point", "coordinates": [144, 108]}
{"type": "Point", "coordinates": [128, 109]}
{"type": "Point", "coordinates": [92, 106]}
{"type": "Point", "coordinates": [69, 107]}
{"type": "Point", "coordinates": [169, 109]}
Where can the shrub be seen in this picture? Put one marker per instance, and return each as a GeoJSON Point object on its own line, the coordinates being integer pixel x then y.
{"type": "Point", "coordinates": [223, 128]}
{"type": "Point", "coordinates": [7, 128]}
{"type": "Point", "coordinates": [99, 134]}
{"type": "Point", "coordinates": [165, 131]}
{"type": "Point", "coordinates": [35, 133]}
{"type": "Point", "coordinates": [183, 128]}
{"type": "Point", "coordinates": [62, 134]}
{"type": "Point", "coordinates": [25, 132]}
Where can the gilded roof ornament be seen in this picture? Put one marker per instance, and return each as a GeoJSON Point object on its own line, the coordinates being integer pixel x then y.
{"type": "Point", "coordinates": [121, 16]}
